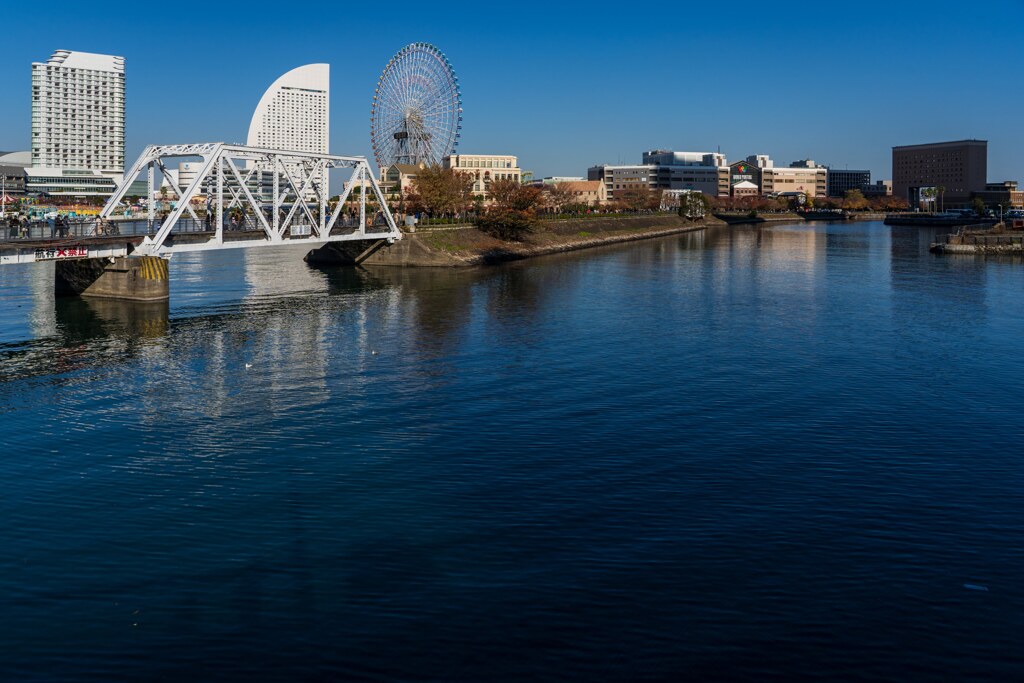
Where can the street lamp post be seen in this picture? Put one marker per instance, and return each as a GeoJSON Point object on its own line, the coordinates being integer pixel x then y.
{"type": "Point", "coordinates": [1000, 213]}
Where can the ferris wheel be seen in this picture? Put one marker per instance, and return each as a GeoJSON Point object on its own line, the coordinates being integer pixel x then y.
{"type": "Point", "coordinates": [417, 108]}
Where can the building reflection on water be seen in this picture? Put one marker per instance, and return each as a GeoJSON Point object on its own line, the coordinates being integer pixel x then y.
{"type": "Point", "coordinates": [298, 326]}
{"type": "Point", "coordinates": [925, 286]}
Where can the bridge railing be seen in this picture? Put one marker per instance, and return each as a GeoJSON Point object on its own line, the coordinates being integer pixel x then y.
{"type": "Point", "coordinates": [87, 228]}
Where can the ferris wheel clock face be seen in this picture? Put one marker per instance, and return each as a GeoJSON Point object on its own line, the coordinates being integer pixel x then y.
{"type": "Point", "coordinates": [417, 108]}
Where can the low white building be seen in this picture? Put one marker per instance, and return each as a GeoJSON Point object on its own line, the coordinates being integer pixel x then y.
{"type": "Point", "coordinates": [62, 182]}
{"type": "Point", "coordinates": [554, 180]}
{"type": "Point", "coordinates": [706, 172]}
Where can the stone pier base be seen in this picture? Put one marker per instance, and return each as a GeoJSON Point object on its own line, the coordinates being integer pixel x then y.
{"type": "Point", "coordinates": [344, 253]}
{"type": "Point", "coordinates": [136, 278]}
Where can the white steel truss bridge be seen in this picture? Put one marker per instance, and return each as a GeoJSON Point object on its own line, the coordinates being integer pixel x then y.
{"type": "Point", "coordinates": [254, 197]}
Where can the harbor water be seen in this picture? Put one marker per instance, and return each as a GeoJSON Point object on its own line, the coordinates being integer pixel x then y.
{"type": "Point", "coordinates": [775, 453]}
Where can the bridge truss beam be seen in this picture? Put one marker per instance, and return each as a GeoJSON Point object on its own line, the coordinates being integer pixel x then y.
{"type": "Point", "coordinates": [299, 184]}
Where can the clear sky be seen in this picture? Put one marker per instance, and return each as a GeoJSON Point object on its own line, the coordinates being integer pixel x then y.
{"type": "Point", "coordinates": [568, 85]}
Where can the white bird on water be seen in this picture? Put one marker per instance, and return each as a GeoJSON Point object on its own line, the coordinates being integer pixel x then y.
{"type": "Point", "coordinates": [248, 365]}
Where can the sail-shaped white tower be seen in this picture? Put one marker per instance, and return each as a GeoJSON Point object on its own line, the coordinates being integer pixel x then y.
{"type": "Point", "coordinates": [294, 113]}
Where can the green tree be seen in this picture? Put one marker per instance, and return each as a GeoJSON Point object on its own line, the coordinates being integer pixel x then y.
{"type": "Point", "coordinates": [928, 196]}
{"type": "Point", "coordinates": [694, 205]}
{"type": "Point", "coordinates": [979, 206]}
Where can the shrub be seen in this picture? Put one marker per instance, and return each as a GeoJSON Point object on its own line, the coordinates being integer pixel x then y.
{"type": "Point", "coordinates": [506, 224]}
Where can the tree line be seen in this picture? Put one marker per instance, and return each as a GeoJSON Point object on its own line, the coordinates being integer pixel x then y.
{"type": "Point", "coordinates": [512, 208]}
{"type": "Point", "coordinates": [853, 200]}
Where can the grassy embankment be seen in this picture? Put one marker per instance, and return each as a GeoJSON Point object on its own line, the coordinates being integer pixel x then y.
{"type": "Point", "coordinates": [471, 246]}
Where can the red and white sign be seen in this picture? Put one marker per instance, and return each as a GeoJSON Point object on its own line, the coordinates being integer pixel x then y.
{"type": "Point", "coordinates": [55, 253]}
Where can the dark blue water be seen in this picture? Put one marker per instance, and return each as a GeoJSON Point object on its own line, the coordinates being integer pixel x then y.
{"type": "Point", "coordinates": [774, 454]}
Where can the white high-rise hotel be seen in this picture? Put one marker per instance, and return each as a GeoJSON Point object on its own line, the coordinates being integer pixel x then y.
{"type": "Point", "coordinates": [78, 112]}
{"type": "Point", "coordinates": [294, 112]}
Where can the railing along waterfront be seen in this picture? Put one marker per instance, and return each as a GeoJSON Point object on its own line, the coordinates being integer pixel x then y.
{"type": "Point", "coordinates": [88, 228]}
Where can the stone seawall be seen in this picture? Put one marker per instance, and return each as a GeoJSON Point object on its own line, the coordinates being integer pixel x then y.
{"type": "Point", "coordinates": [462, 247]}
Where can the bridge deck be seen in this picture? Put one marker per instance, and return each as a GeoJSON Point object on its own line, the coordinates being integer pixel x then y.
{"type": "Point", "coordinates": [41, 243]}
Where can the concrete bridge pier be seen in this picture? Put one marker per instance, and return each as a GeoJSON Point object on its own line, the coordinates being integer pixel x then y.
{"type": "Point", "coordinates": [344, 253]}
{"type": "Point", "coordinates": [133, 278]}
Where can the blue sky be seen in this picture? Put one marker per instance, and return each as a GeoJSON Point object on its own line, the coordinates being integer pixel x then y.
{"type": "Point", "coordinates": [565, 86]}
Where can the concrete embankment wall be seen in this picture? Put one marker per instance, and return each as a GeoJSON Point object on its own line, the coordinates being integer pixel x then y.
{"type": "Point", "coordinates": [991, 243]}
{"type": "Point", "coordinates": [760, 218]}
{"type": "Point", "coordinates": [460, 247]}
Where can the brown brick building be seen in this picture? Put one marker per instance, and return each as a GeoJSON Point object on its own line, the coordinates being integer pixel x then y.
{"type": "Point", "coordinates": [960, 167]}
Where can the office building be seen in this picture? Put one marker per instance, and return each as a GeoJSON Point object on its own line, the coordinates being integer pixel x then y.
{"type": "Point", "coordinates": [879, 188]}
{"type": "Point", "coordinates": [811, 182]}
{"type": "Point", "coordinates": [1004, 194]}
{"type": "Point", "coordinates": [804, 177]}
{"type": "Point", "coordinates": [841, 181]}
{"type": "Point", "coordinates": [800, 178]}
{"type": "Point", "coordinates": [706, 172]}
{"type": "Point", "coordinates": [484, 168]}
{"type": "Point", "coordinates": [78, 114]}
{"type": "Point", "coordinates": [619, 178]}
{"type": "Point", "coordinates": [960, 167]}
